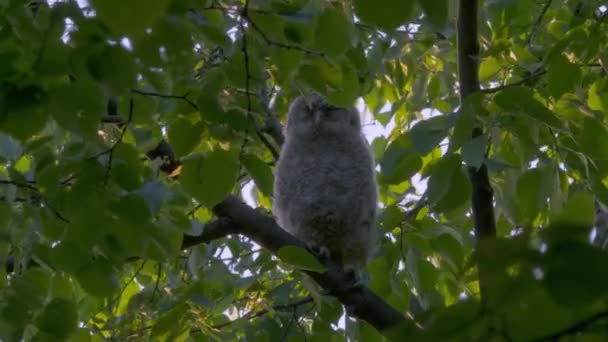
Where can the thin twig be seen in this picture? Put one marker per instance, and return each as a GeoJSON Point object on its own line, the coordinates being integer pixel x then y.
{"type": "Point", "coordinates": [232, 258]}
{"type": "Point", "coordinates": [252, 315]}
{"type": "Point", "coordinates": [123, 131]}
{"type": "Point", "coordinates": [194, 210]}
{"type": "Point", "coordinates": [159, 270]}
{"type": "Point", "coordinates": [259, 134]}
{"type": "Point", "coordinates": [166, 96]}
{"type": "Point", "coordinates": [34, 189]}
{"type": "Point", "coordinates": [272, 127]}
{"type": "Point", "coordinates": [271, 42]}
{"type": "Point", "coordinates": [141, 267]}
{"type": "Point", "coordinates": [514, 84]}
{"type": "Point", "coordinates": [110, 151]}
{"type": "Point", "coordinates": [19, 185]}
{"type": "Point", "coordinates": [538, 22]}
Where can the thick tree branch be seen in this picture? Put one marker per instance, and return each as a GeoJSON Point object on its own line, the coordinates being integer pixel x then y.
{"type": "Point", "coordinates": [468, 56]}
{"type": "Point", "coordinates": [237, 217]}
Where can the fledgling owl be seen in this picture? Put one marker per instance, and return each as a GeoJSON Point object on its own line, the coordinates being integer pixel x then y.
{"type": "Point", "coordinates": [325, 189]}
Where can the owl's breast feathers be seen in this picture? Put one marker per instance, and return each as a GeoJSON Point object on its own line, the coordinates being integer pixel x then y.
{"type": "Point", "coordinates": [333, 181]}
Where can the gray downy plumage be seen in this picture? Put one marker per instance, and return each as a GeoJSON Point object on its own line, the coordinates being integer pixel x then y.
{"type": "Point", "coordinates": [325, 191]}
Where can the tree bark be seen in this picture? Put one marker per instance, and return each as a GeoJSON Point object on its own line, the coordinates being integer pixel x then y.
{"type": "Point", "coordinates": [482, 195]}
{"type": "Point", "coordinates": [235, 217]}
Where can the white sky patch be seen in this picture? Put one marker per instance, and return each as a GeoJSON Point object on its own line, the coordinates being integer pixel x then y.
{"type": "Point", "coordinates": [69, 26]}
{"type": "Point", "coordinates": [126, 43]}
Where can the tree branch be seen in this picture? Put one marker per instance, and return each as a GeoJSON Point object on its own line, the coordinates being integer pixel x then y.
{"type": "Point", "coordinates": [482, 196]}
{"type": "Point", "coordinates": [166, 96]}
{"type": "Point", "coordinates": [576, 328]}
{"type": "Point", "coordinates": [244, 48]}
{"type": "Point", "coordinates": [237, 217]}
{"type": "Point", "coordinates": [272, 127]}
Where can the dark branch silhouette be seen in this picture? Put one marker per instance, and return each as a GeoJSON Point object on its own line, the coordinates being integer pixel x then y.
{"type": "Point", "coordinates": [237, 217]}
{"type": "Point", "coordinates": [482, 196]}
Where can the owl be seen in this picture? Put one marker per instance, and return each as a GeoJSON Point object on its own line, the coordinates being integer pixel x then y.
{"type": "Point", "coordinates": [325, 191]}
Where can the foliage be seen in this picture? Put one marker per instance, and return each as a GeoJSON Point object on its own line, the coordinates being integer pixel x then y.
{"type": "Point", "coordinates": [92, 230]}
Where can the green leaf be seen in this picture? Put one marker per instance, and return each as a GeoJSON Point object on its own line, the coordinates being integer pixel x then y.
{"type": "Point", "coordinates": [521, 99]}
{"type": "Point", "coordinates": [69, 256]}
{"type": "Point", "coordinates": [433, 88]}
{"type": "Point", "coordinates": [385, 14]}
{"type": "Point", "coordinates": [114, 67]}
{"type": "Point", "coordinates": [163, 241]}
{"type": "Point", "coordinates": [170, 322]}
{"type": "Point", "coordinates": [436, 12]}
{"type": "Point", "coordinates": [300, 258]}
{"type": "Point", "coordinates": [19, 105]}
{"type": "Point", "coordinates": [398, 331]}
{"type": "Point", "coordinates": [77, 107]}
{"type": "Point", "coordinates": [593, 140]}
{"type": "Point", "coordinates": [532, 313]}
{"type": "Point", "coordinates": [287, 62]}
{"type": "Point", "coordinates": [448, 186]}
{"type": "Point", "coordinates": [131, 17]}
{"type": "Point", "coordinates": [155, 193]}
{"type": "Point", "coordinates": [533, 188]}
{"type": "Point", "coordinates": [132, 208]}
{"type": "Point", "coordinates": [209, 177]}
{"type": "Point", "coordinates": [288, 7]}
{"type": "Point", "coordinates": [568, 282]}
{"type": "Point", "coordinates": [427, 134]}
{"type": "Point", "coordinates": [451, 322]}
{"type": "Point", "coordinates": [98, 278]}
{"type": "Point", "coordinates": [597, 97]}
{"type": "Point", "coordinates": [465, 120]}
{"type": "Point", "coordinates": [320, 74]}
{"type": "Point", "coordinates": [562, 76]}
{"type": "Point", "coordinates": [348, 91]}
{"type": "Point", "coordinates": [378, 147]}
{"type": "Point", "coordinates": [334, 31]}
{"type": "Point", "coordinates": [260, 172]}
{"type": "Point", "coordinates": [488, 68]}
{"type": "Point", "coordinates": [31, 287]}
{"type": "Point", "coordinates": [391, 217]}
{"type": "Point", "coordinates": [578, 211]}
{"type": "Point", "coordinates": [58, 318]}
{"type": "Point", "coordinates": [473, 152]}
{"type": "Point", "coordinates": [126, 166]}
{"type": "Point", "coordinates": [400, 161]}
{"type": "Point", "coordinates": [184, 135]}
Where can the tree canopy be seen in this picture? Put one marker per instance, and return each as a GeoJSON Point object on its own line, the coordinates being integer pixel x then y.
{"type": "Point", "coordinates": [138, 141]}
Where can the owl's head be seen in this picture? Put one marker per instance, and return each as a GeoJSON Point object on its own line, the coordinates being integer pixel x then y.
{"type": "Point", "coordinates": [311, 116]}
